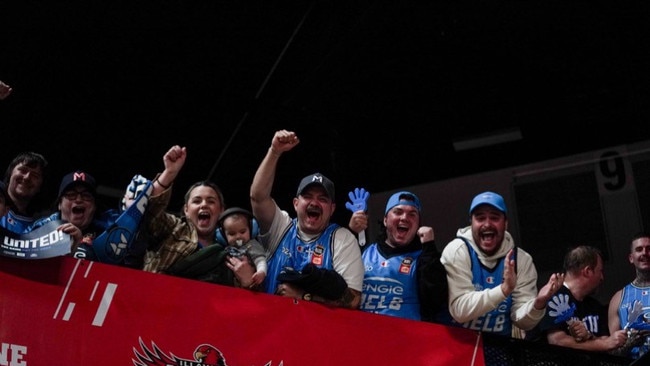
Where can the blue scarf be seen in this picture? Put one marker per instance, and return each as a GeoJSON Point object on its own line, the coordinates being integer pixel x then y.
{"type": "Point", "coordinates": [115, 242]}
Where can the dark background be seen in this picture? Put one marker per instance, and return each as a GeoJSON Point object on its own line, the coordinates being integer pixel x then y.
{"type": "Point", "coordinates": [377, 91]}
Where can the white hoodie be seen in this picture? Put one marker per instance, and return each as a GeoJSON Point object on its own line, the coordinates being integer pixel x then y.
{"type": "Point", "coordinates": [466, 303]}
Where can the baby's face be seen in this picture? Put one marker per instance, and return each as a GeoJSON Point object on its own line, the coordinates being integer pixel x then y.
{"type": "Point", "coordinates": [236, 230]}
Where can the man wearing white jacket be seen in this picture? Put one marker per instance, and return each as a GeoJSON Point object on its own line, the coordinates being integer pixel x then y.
{"type": "Point", "coordinates": [492, 282]}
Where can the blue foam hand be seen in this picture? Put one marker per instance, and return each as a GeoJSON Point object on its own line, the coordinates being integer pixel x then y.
{"type": "Point", "coordinates": [561, 309]}
{"type": "Point", "coordinates": [636, 316]}
{"type": "Point", "coordinates": [359, 200]}
{"type": "Point", "coordinates": [634, 312]}
{"type": "Point", "coordinates": [639, 324]}
{"type": "Point", "coordinates": [568, 314]}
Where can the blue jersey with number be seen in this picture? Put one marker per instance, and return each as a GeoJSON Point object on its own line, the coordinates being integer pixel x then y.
{"type": "Point", "coordinates": [390, 284]}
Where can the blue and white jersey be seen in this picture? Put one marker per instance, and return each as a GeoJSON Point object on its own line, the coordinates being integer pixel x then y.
{"type": "Point", "coordinates": [390, 284]}
{"type": "Point", "coordinates": [16, 223]}
{"type": "Point", "coordinates": [630, 294]}
{"type": "Point", "coordinates": [496, 321]}
{"type": "Point", "coordinates": [44, 220]}
{"type": "Point", "coordinates": [628, 297]}
{"type": "Point", "coordinates": [295, 253]}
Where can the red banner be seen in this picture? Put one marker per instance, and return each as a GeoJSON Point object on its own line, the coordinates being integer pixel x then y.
{"type": "Point", "coordinates": [64, 311]}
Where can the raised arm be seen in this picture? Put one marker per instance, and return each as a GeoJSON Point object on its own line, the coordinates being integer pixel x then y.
{"type": "Point", "coordinates": [5, 90]}
{"type": "Point", "coordinates": [260, 193]}
{"type": "Point", "coordinates": [174, 159]}
{"type": "Point", "coordinates": [432, 277]}
{"type": "Point", "coordinates": [358, 222]}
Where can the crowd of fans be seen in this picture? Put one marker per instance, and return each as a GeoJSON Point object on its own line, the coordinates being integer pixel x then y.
{"type": "Point", "coordinates": [482, 280]}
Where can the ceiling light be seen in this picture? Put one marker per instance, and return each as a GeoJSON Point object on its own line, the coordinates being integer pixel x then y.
{"type": "Point", "coordinates": [493, 138]}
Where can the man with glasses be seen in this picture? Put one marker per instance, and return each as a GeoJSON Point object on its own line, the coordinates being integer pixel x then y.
{"type": "Point", "coordinates": [76, 204]}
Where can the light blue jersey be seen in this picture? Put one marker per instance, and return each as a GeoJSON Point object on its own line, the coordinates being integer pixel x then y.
{"type": "Point", "coordinates": [295, 253]}
{"type": "Point", "coordinates": [16, 223]}
{"type": "Point", "coordinates": [496, 321]}
{"type": "Point", "coordinates": [390, 284]}
{"type": "Point", "coordinates": [630, 294]}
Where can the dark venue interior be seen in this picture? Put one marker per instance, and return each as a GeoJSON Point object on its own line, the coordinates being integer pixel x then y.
{"type": "Point", "coordinates": [378, 91]}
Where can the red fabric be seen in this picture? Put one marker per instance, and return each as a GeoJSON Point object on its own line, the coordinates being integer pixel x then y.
{"type": "Point", "coordinates": [50, 314]}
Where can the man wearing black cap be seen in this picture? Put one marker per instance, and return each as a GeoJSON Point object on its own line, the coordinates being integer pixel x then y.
{"type": "Point", "coordinates": [76, 206]}
{"type": "Point", "coordinates": [493, 283]}
{"type": "Point", "coordinates": [310, 238]}
{"type": "Point", "coordinates": [77, 198]}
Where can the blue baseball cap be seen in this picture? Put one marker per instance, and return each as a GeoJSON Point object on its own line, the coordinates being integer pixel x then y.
{"type": "Point", "coordinates": [403, 198]}
{"type": "Point", "coordinates": [488, 198]}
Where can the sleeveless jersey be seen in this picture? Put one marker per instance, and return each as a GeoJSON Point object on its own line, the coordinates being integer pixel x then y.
{"type": "Point", "coordinates": [295, 253]}
{"type": "Point", "coordinates": [629, 295]}
{"type": "Point", "coordinates": [16, 223]}
{"type": "Point", "coordinates": [390, 284]}
{"type": "Point", "coordinates": [496, 321]}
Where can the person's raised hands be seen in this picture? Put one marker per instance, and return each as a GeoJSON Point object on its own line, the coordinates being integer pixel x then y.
{"type": "Point", "coordinates": [426, 234]}
{"type": "Point", "coordinates": [358, 204]}
{"type": "Point", "coordinates": [358, 222]}
{"type": "Point", "coordinates": [545, 293]}
{"type": "Point", "coordinates": [509, 280]}
{"type": "Point", "coordinates": [174, 158]}
{"type": "Point", "coordinates": [5, 90]}
{"type": "Point", "coordinates": [284, 140]}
